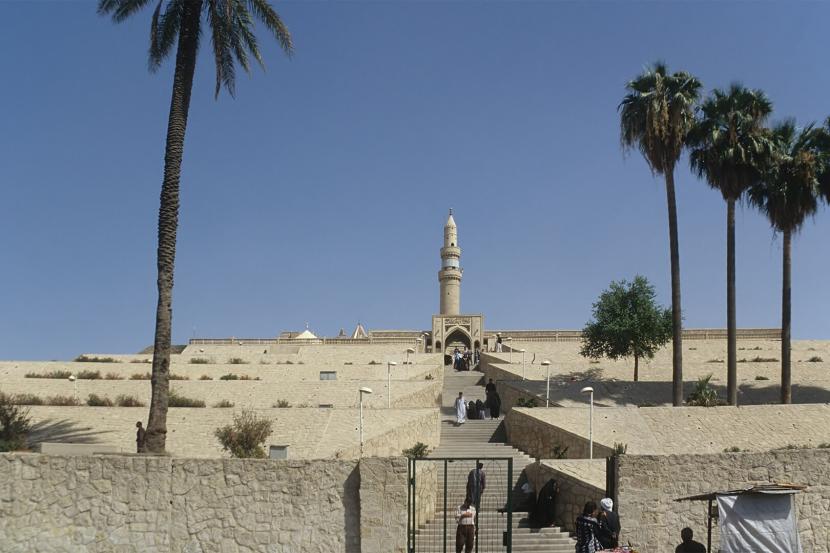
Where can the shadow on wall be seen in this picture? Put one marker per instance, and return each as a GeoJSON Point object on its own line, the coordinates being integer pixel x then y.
{"type": "Point", "coordinates": [62, 431]}
{"type": "Point", "coordinates": [351, 511]}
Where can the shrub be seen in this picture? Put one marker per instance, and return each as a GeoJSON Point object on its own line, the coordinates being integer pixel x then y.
{"type": "Point", "coordinates": [289, 362]}
{"type": "Point", "coordinates": [93, 359]}
{"type": "Point", "coordinates": [26, 399]}
{"type": "Point", "coordinates": [229, 376]}
{"type": "Point", "coordinates": [761, 377]}
{"type": "Point", "coordinates": [15, 424]}
{"type": "Point", "coordinates": [303, 405]}
{"type": "Point", "coordinates": [703, 394]}
{"type": "Point", "coordinates": [237, 361]}
{"type": "Point", "coordinates": [559, 452]}
{"type": "Point", "coordinates": [205, 377]}
{"type": "Point", "coordinates": [223, 404]}
{"type": "Point", "coordinates": [373, 362]}
{"type": "Point", "coordinates": [823, 445]}
{"type": "Point", "coordinates": [620, 448]}
{"type": "Point", "coordinates": [172, 376]}
{"type": "Point", "coordinates": [281, 404]}
{"type": "Point", "coordinates": [140, 361]}
{"type": "Point", "coordinates": [88, 375]}
{"type": "Point", "coordinates": [140, 376]}
{"type": "Point", "coordinates": [526, 402]}
{"type": "Point", "coordinates": [348, 363]}
{"type": "Point", "coordinates": [715, 360]}
{"type": "Point", "coordinates": [733, 449]}
{"type": "Point", "coordinates": [417, 451]}
{"type": "Point", "coordinates": [128, 401]}
{"type": "Point", "coordinates": [113, 376]}
{"type": "Point", "coordinates": [198, 361]}
{"type": "Point", "coordinates": [62, 401]}
{"type": "Point", "coordinates": [247, 377]}
{"type": "Point", "coordinates": [51, 374]}
{"type": "Point", "coordinates": [815, 359]}
{"type": "Point", "coordinates": [176, 400]}
{"type": "Point", "coordinates": [95, 400]}
{"type": "Point", "coordinates": [763, 360]}
{"type": "Point", "coordinates": [429, 377]}
{"type": "Point", "coordinates": [246, 436]}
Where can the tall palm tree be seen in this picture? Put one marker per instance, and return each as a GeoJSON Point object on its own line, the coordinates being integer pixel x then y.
{"type": "Point", "coordinates": [655, 117]}
{"type": "Point", "coordinates": [179, 23]}
{"type": "Point", "coordinates": [787, 194]}
{"type": "Point", "coordinates": [726, 147]}
{"type": "Point", "coordinates": [823, 141]}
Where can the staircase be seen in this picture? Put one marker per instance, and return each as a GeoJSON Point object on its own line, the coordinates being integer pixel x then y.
{"type": "Point", "coordinates": [481, 439]}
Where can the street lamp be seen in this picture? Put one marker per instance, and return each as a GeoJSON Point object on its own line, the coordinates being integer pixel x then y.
{"type": "Point", "coordinates": [408, 351]}
{"type": "Point", "coordinates": [74, 381]}
{"type": "Point", "coordinates": [511, 349]}
{"type": "Point", "coordinates": [418, 344]}
{"type": "Point", "coordinates": [361, 392]}
{"type": "Point", "coordinates": [523, 362]}
{"type": "Point", "coordinates": [589, 390]}
{"type": "Point", "coordinates": [389, 366]}
{"type": "Point", "coordinates": [546, 364]}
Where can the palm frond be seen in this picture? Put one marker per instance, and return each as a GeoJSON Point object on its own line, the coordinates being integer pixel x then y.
{"type": "Point", "coordinates": [164, 28]}
{"type": "Point", "coordinates": [265, 13]}
{"type": "Point", "coordinates": [222, 44]}
{"type": "Point", "coordinates": [120, 9]}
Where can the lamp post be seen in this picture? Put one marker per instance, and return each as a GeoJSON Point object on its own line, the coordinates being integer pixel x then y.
{"type": "Point", "coordinates": [361, 392]}
{"type": "Point", "coordinates": [523, 362]}
{"type": "Point", "coordinates": [74, 382]}
{"type": "Point", "coordinates": [408, 351]}
{"type": "Point", "coordinates": [589, 390]}
{"type": "Point", "coordinates": [511, 349]}
{"type": "Point", "coordinates": [546, 364]}
{"type": "Point", "coordinates": [389, 365]}
{"type": "Point", "coordinates": [418, 344]}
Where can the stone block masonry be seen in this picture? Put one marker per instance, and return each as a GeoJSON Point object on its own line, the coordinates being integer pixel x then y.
{"type": "Point", "coordinates": [579, 481]}
{"type": "Point", "coordinates": [648, 486]}
{"type": "Point", "coordinates": [162, 504]}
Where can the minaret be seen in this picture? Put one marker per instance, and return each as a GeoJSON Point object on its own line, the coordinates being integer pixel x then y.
{"type": "Point", "coordinates": [450, 274]}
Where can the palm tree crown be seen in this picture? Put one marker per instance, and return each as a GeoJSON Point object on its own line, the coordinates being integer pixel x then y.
{"type": "Point", "coordinates": [231, 25]}
{"type": "Point", "coordinates": [789, 191]}
{"type": "Point", "coordinates": [657, 114]}
{"type": "Point", "coordinates": [730, 140]}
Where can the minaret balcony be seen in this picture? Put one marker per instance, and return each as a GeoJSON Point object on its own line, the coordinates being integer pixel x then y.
{"type": "Point", "coordinates": [451, 251]}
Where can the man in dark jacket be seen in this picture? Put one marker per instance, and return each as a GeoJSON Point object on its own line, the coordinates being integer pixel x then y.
{"type": "Point", "coordinates": [609, 524]}
{"type": "Point", "coordinates": [476, 482]}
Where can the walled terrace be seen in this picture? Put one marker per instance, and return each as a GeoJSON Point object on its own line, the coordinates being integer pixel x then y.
{"type": "Point", "coordinates": [315, 418]}
{"type": "Point", "coordinates": [759, 370]}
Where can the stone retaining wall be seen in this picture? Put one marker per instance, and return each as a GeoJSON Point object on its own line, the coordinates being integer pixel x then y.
{"type": "Point", "coordinates": [162, 504]}
{"type": "Point", "coordinates": [648, 486]}
{"type": "Point", "coordinates": [577, 485]}
{"type": "Point", "coordinates": [544, 440]}
{"type": "Point", "coordinates": [425, 428]}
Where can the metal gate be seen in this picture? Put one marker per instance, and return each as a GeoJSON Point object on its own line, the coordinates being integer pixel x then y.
{"type": "Point", "coordinates": [438, 486]}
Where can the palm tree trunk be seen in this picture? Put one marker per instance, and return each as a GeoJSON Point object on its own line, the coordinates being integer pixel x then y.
{"type": "Point", "coordinates": [168, 223]}
{"type": "Point", "coordinates": [636, 368]}
{"type": "Point", "coordinates": [731, 329]}
{"type": "Point", "coordinates": [676, 315]}
{"type": "Point", "coordinates": [786, 368]}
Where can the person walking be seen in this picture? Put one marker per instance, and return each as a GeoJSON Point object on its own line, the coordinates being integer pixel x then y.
{"type": "Point", "coordinates": [498, 342]}
{"type": "Point", "coordinates": [460, 409]}
{"type": "Point", "coordinates": [609, 524]}
{"type": "Point", "coordinates": [476, 482]}
{"type": "Point", "coordinates": [139, 437]}
{"type": "Point", "coordinates": [587, 528]}
{"type": "Point", "coordinates": [465, 533]}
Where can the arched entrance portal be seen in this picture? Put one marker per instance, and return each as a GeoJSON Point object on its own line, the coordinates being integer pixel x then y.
{"type": "Point", "coordinates": [457, 338]}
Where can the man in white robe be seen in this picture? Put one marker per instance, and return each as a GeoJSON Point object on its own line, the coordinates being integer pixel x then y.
{"type": "Point", "coordinates": [460, 409]}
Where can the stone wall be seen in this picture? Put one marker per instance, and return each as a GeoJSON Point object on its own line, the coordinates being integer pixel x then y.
{"type": "Point", "coordinates": [579, 481]}
{"type": "Point", "coordinates": [424, 428]}
{"type": "Point", "coordinates": [426, 491]}
{"type": "Point", "coordinates": [648, 486]}
{"type": "Point", "coordinates": [151, 504]}
{"type": "Point", "coordinates": [544, 440]}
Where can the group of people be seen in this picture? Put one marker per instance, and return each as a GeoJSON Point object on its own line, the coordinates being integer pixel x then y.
{"type": "Point", "coordinates": [597, 528]}
{"type": "Point", "coordinates": [465, 360]}
{"type": "Point", "coordinates": [478, 410]}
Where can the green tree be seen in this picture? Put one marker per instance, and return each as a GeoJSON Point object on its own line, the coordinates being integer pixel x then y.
{"type": "Point", "coordinates": [655, 118]}
{"type": "Point", "coordinates": [245, 438]}
{"type": "Point", "coordinates": [727, 145]}
{"type": "Point", "coordinates": [178, 24]}
{"type": "Point", "coordinates": [627, 322]}
{"type": "Point", "coordinates": [787, 194]}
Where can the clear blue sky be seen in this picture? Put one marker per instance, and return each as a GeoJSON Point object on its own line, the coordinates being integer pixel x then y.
{"type": "Point", "coordinates": [320, 192]}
